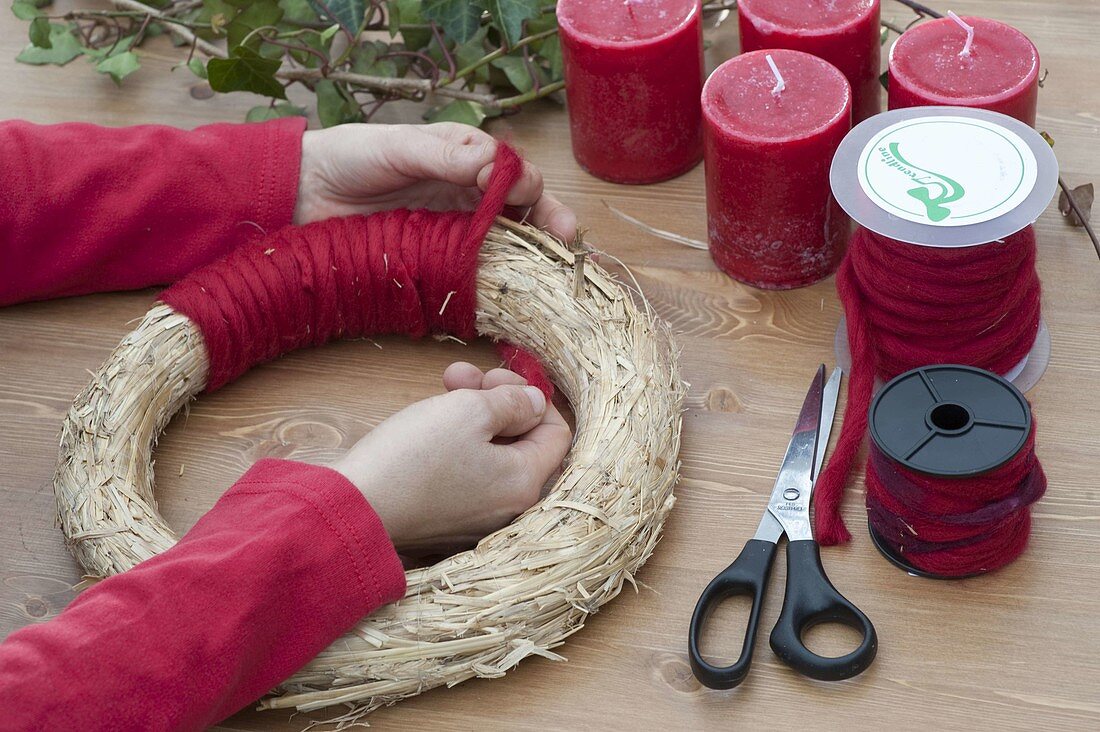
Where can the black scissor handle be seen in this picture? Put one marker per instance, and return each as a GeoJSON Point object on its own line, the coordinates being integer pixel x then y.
{"type": "Point", "coordinates": [811, 599]}
{"type": "Point", "coordinates": [747, 576]}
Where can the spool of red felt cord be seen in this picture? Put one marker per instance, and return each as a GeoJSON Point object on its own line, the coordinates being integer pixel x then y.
{"type": "Point", "coordinates": [941, 270]}
{"type": "Point", "coordinates": [393, 272]}
{"type": "Point", "coordinates": [952, 472]}
{"type": "Point", "coordinates": [909, 306]}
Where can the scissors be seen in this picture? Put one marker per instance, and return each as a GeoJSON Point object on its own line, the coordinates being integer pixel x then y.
{"type": "Point", "coordinates": [810, 598]}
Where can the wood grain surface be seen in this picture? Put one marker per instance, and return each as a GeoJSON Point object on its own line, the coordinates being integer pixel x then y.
{"type": "Point", "coordinates": [1018, 649]}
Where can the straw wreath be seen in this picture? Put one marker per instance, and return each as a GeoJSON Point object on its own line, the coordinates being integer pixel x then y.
{"type": "Point", "coordinates": [523, 589]}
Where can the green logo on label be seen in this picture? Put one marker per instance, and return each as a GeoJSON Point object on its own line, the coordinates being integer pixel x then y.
{"type": "Point", "coordinates": [933, 189]}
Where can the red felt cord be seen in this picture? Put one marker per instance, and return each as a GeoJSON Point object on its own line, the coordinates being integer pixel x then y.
{"type": "Point", "coordinates": [955, 527]}
{"type": "Point", "coordinates": [393, 272]}
{"type": "Point", "coordinates": [910, 306]}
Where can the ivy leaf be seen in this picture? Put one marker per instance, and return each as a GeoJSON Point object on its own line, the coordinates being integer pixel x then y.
{"type": "Point", "coordinates": [40, 33]}
{"type": "Point", "coordinates": [884, 79]}
{"type": "Point", "coordinates": [460, 110]}
{"type": "Point", "coordinates": [393, 18]}
{"type": "Point", "coordinates": [264, 112]}
{"type": "Point", "coordinates": [409, 12]}
{"type": "Point", "coordinates": [460, 19]}
{"type": "Point", "coordinates": [469, 53]}
{"type": "Point", "coordinates": [63, 48]}
{"type": "Point", "coordinates": [1083, 196]}
{"type": "Point", "coordinates": [363, 56]}
{"type": "Point", "coordinates": [313, 41]}
{"type": "Point", "coordinates": [24, 10]}
{"type": "Point", "coordinates": [551, 51]}
{"type": "Point", "coordinates": [198, 68]}
{"type": "Point", "coordinates": [333, 108]}
{"type": "Point", "coordinates": [386, 67]}
{"type": "Point", "coordinates": [348, 13]}
{"type": "Point", "coordinates": [256, 15]}
{"type": "Point", "coordinates": [245, 70]}
{"type": "Point", "coordinates": [510, 14]}
{"type": "Point", "coordinates": [119, 66]}
{"type": "Point", "coordinates": [544, 22]}
{"type": "Point", "coordinates": [298, 11]}
{"type": "Point", "coordinates": [365, 59]}
{"type": "Point", "coordinates": [516, 71]}
{"type": "Point", "coordinates": [120, 46]}
{"type": "Point", "coordinates": [883, 36]}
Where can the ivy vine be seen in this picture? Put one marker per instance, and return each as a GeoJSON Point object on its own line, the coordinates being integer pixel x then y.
{"type": "Point", "coordinates": [472, 59]}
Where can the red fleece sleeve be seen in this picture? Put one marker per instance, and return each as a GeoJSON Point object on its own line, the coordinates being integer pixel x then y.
{"type": "Point", "coordinates": [287, 560]}
{"type": "Point", "coordinates": [93, 209]}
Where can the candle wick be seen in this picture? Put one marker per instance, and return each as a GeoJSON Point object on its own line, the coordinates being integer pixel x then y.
{"type": "Point", "coordinates": [780, 85]}
{"type": "Point", "coordinates": [630, 9]}
{"type": "Point", "coordinates": [965, 52]}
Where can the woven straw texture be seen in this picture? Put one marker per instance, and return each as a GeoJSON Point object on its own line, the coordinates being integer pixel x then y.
{"type": "Point", "coordinates": [523, 589]}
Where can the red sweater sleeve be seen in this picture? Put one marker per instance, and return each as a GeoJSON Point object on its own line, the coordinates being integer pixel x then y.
{"type": "Point", "coordinates": [93, 209]}
{"type": "Point", "coordinates": [287, 560]}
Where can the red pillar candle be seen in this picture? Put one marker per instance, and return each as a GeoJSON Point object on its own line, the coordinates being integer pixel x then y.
{"type": "Point", "coordinates": [843, 32]}
{"type": "Point", "coordinates": [633, 73]}
{"type": "Point", "coordinates": [771, 217]}
{"type": "Point", "coordinates": [931, 64]}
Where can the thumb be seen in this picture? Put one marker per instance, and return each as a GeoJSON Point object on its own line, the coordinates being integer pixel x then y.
{"type": "Point", "coordinates": [512, 410]}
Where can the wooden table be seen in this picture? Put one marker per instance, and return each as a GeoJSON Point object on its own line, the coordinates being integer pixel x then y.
{"type": "Point", "coordinates": [1018, 649]}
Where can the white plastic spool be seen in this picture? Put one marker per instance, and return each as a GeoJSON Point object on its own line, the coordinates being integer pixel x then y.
{"type": "Point", "coordinates": [981, 176]}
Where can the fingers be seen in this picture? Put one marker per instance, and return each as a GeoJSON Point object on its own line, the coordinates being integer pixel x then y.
{"type": "Point", "coordinates": [551, 214]}
{"type": "Point", "coordinates": [442, 152]}
{"type": "Point", "coordinates": [482, 146]}
{"type": "Point", "coordinates": [462, 375]}
{"type": "Point", "coordinates": [458, 133]}
{"type": "Point", "coordinates": [526, 191]}
{"type": "Point", "coordinates": [500, 377]}
{"type": "Point", "coordinates": [463, 145]}
{"type": "Point", "coordinates": [545, 446]}
{"type": "Point", "coordinates": [510, 409]}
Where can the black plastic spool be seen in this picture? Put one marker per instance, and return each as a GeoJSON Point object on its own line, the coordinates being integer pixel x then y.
{"type": "Point", "coordinates": [947, 421]}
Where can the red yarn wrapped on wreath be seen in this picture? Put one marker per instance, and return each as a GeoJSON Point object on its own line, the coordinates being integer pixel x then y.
{"type": "Point", "coordinates": [393, 272]}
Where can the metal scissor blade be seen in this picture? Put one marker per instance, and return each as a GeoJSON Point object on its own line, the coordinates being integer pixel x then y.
{"type": "Point", "coordinates": [789, 505]}
{"type": "Point", "coordinates": [828, 412]}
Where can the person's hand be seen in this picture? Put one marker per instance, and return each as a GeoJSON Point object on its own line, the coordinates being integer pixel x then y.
{"type": "Point", "coordinates": [446, 471]}
{"type": "Point", "coordinates": [363, 168]}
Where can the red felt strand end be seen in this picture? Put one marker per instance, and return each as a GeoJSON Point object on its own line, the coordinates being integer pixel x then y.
{"type": "Point", "coordinates": [526, 365]}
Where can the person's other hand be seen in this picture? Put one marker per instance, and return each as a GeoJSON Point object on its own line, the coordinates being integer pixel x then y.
{"type": "Point", "coordinates": [448, 470]}
{"type": "Point", "coordinates": [363, 168]}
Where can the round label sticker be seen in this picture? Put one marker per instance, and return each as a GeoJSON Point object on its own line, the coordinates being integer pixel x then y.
{"type": "Point", "coordinates": [947, 170]}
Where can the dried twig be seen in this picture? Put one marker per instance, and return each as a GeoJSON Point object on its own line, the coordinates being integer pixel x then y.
{"type": "Point", "coordinates": [180, 31]}
{"type": "Point", "coordinates": [920, 8]}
